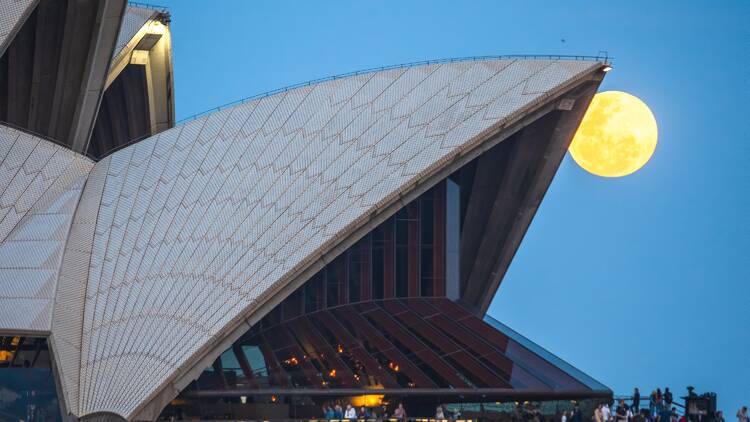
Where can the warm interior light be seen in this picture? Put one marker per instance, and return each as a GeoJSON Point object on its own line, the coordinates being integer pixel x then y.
{"type": "Point", "coordinates": [156, 27]}
{"type": "Point", "coordinates": [291, 361]}
{"type": "Point", "coordinates": [332, 374]}
{"type": "Point", "coordinates": [367, 400]}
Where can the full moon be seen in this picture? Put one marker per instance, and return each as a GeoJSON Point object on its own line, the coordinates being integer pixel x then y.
{"type": "Point", "coordinates": [617, 135]}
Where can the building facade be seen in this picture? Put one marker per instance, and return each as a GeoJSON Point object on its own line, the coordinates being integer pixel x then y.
{"type": "Point", "coordinates": [336, 241]}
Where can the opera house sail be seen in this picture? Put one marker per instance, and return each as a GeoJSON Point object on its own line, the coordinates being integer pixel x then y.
{"type": "Point", "coordinates": [339, 240]}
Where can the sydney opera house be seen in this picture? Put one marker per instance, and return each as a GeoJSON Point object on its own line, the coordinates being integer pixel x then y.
{"type": "Point", "coordinates": [334, 241]}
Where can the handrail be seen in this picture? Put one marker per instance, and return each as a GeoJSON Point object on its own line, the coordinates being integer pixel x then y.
{"type": "Point", "coordinates": [148, 6]}
{"type": "Point", "coordinates": [604, 58]}
{"type": "Point", "coordinates": [645, 403]}
{"type": "Point", "coordinates": [644, 399]}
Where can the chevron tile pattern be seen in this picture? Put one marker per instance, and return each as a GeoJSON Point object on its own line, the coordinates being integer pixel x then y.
{"type": "Point", "coordinates": [142, 263]}
{"type": "Point", "coordinates": [195, 224]}
{"type": "Point", "coordinates": [40, 183]}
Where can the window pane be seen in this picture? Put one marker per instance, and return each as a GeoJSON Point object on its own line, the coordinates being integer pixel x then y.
{"type": "Point", "coordinates": [427, 222]}
{"type": "Point", "coordinates": [402, 271]}
{"type": "Point", "coordinates": [377, 270]}
{"type": "Point", "coordinates": [355, 272]}
{"type": "Point", "coordinates": [332, 287]}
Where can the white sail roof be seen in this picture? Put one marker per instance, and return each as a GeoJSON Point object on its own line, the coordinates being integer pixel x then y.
{"type": "Point", "coordinates": [179, 239]}
{"type": "Point", "coordinates": [40, 183]}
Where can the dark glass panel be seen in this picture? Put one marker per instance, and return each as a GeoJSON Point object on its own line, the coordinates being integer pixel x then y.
{"type": "Point", "coordinates": [255, 359]}
{"type": "Point", "coordinates": [359, 270]}
{"type": "Point", "coordinates": [413, 248]}
{"type": "Point", "coordinates": [402, 271]}
{"type": "Point", "coordinates": [388, 258]}
{"type": "Point", "coordinates": [427, 272]}
{"type": "Point", "coordinates": [336, 282]}
{"type": "Point", "coordinates": [293, 305]}
{"type": "Point", "coordinates": [438, 245]}
{"type": "Point", "coordinates": [452, 239]}
{"type": "Point", "coordinates": [402, 227]}
{"type": "Point", "coordinates": [27, 384]}
{"type": "Point", "coordinates": [378, 263]}
{"type": "Point", "coordinates": [427, 218]}
{"type": "Point", "coordinates": [314, 290]}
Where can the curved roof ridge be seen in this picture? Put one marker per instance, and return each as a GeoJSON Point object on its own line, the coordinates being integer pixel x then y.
{"type": "Point", "coordinates": [606, 59]}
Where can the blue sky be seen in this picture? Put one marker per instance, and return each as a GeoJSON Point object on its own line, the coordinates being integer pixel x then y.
{"type": "Point", "coordinates": [639, 281]}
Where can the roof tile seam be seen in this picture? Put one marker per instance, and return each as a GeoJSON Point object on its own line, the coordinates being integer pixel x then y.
{"type": "Point", "coordinates": [198, 136]}
{"type": "Point", "coordinates": [84, 307]}
{"type": "Point", "coordinates": [107, 323]}
{"type": "Point", "coordinates": [153, 195]}
{"type": "Point", "coordinates": [109, 234]}
{"type": "Point", "coordinates": [605, 58]}
{"type": "Point", "coordinates": [601, 59]}
{"type": "Point", "coordinates": [500, 125]}
{"type": "Point", "coordinates": [347, 226]}
{"type": "Point", "coordinates": [65, 246]}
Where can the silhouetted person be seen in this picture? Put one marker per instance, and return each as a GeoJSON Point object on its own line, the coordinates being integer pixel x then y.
{"type": "Point", "coordinates": [598, 417]}
{"type": "Point", "coordinates": [351, 412]}
{"type": "Point", "coordinates": [576, 416]}
{"type": "Point", "coordinates": [621, 413]}
{"type": "Point", "coordinates": [742, 414]}
{"type": "Point", "coordinates": [328, 411]}
{"type": "Point", "coordinates": [636, 400]}
{"type": "Point", "coordinates": [665, 414]}
{"type": "Point", "coordinates": [338, 412]}
{"type": "Point", "coordinates": [384, 412]}
{"type": "Point", "coordinates": [668, 397]}
{"type": "Point", "coordinates": [400, 412]}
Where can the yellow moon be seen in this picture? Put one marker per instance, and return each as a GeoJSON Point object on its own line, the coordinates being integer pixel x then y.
{"type": "Point", "coordinates": [617, 135]}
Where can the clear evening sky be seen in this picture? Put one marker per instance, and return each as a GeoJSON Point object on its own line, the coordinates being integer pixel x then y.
{"type": "Point", "coordinates": [639, 281]}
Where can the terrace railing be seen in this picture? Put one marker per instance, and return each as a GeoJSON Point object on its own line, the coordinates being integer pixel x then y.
{"type": "Point", "coordinates": [602, 57]}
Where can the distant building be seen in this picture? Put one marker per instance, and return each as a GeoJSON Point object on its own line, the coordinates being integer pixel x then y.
{"type": "Point", "coordinates": [334, 241]}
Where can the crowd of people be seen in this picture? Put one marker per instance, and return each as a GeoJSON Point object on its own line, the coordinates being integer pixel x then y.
{"type": "Point", "coordinates": [661, 408]}
{"type": "Point", "coordinates": [339, 410]}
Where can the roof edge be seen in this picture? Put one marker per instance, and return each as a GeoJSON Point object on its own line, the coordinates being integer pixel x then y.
{"type": "Point", "coordinates": [296, 276]}
{"type": "Point", "coordinates": [605, 60]}
{"type": "Point", "coordinates": [545, 354]}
